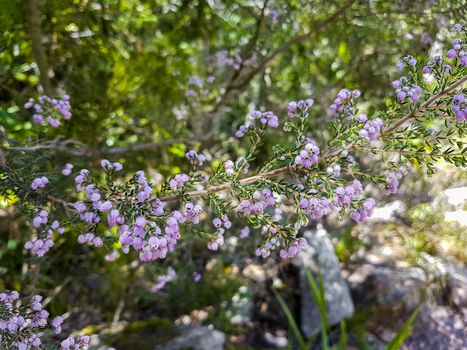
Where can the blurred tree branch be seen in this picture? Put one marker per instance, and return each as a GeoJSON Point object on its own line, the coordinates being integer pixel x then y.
{"type": "Point", "coordinates": [34, 28]}
{"type": "Point", "coordinates": [233, 85]}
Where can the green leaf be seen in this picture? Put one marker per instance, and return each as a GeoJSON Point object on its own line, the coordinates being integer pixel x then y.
{"type": "Point", "coordinates": [290, 319]}
{"type": "Point", "coordinates": [343, 339]}
{"type": "Point", "coordinates": [404, 332]}
{"type": "Point", "coordinates": [317, 290]}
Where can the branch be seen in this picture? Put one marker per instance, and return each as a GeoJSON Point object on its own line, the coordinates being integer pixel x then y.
{"type": "Point", "coordinates": [293, 41]}
{"type": "Point", "coordinates": [73, 147]}
{"type": "Point", "coordinates": [77, 148]}
{"type": "Point", "coordinates": [425, 105]}
{"type": "Point", "coordinates": [248, 48]}
{"type": "Point", "coordinates": [286, 169]}
{"type": "Point", "coordinates": [406, 152]}
{"type": "Point", "coordinates": [33, 18]}
{"type": "Point", "coordinates": [248, 180]}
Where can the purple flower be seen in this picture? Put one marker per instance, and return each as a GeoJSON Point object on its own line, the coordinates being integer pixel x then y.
{"type": "Point", "coordinates": [245, 232]}
{"type": "Point", "coordinates": [365, 211]}
{"type": "Point", "coordinates": [39, 183]}
{"type": "Point", "coordinates": [362, 118]}
{"type": "Point", "coordinates": [405, 89]}
{"type": "Point", "coordinates": [178, 181]}
{"type": "Point", "coordinates": [67, 169]}
{"type": "Point", "coordinates": [371, 129]}
{"type": "Point", "coordinates": [459, 107]}
{"type": "Point", "coordinates": [299, 108]}
{"type": "Point", "coordinates": [307, 156]}
{"type": "Point", "coordinates": [195, 158]}
{"type": "Point", "coordinates": [265, 118]}
{"type": "Point", "coordinates": [111, 166]}
{"type": "Point", "coordinates": [342, 104]}
{"type": "Point", "coordinates": [57, 324]}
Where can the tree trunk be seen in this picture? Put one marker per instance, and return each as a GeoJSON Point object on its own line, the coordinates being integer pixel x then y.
{"type": "Point", "coordinates": [34, 28]}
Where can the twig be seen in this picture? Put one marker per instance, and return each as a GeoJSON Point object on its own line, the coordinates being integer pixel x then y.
{"type": "Point", "coordinates": [283, 170]}
{"type": "Point", "coordinates": [424, 105]}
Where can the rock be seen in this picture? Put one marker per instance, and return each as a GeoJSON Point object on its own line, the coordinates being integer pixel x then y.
{"type": "Point", "coordinates": [438, 327]}
{"type": "Point", "coordinates": [451, 202]}
{"type": "Point", "coordinates": [387, 286]}
{"type": "Point", "coordinates": [276, 341]}
{"type": "Point", "coordinates": [195, 338]}
{"type": "Point", "coordinates": [95, 343]}
{"type": "Point", "coordinates": [320, 255]}
{"type": "Point", "coordinates": [387, 212]}
{"type": "Point", "coordinates": [456, 273]}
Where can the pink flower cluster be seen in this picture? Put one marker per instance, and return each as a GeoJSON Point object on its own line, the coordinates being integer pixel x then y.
{"type": "Point", "coordinates": [195, 158]}
{"type": "Point", "coordinates": [458, 51]}
{"type": "Point", "coordinates": [365, 211]}
{"type": "Point", "coordinates": [245, 232]}
{"type": "Point", "coordinates": [145, 190]}
{"type": "Point", "coordinates": [42, 245]}
{"type": "Point", "coordinates": [75, 343]}
{"type": "Point", "coordinates": [67, 169]}
{"type": "Point", "coordinates": [293, 249]}
{"type": "Point", "coordinates": [39, 183]}
{"type": "Point", "coordinates": [21, 327]}
{"type": "Point", "coordinates": [223, 59]}
{"type": "Point", "coordinates": [90, 239]}
{"type": "Point", "coordinates": [269, 245]}
{"type": "Point", "coordinates": [265, 118]}
{"type": "Point", "coordinates": [50, 110]}
{"type": "Point", "coordinates": [437, 62]}
{"type": "Point", "coordinates": [147, 238]}
{"type": "Point", "coordinates": [112, 256]}
{"type": "Point", "coordinates": [315, 207]}
{"type": "Point", "coordinates": [162, 280]}
{"type": "Point", "coordinates": [307, 156]}
{"type": "Point", "coordinates": [345, 195]}
{"type": "Point", "coordinates": [81, 179]}
{"type": "Point", "coordinates": [404, 89]}
{"type": "Point", "coordinates": [139, 232]}
{"type": "Point", "coordinates": [258, 204]}
{"type": "Point", "coordinates": [299, 109]}
{"type": "Point", "coordinates": [221, 224]}
{"type": "Point", "coordinates": [107, 165]}
{"type": "Point", "coordinates": [343, 102]}
{"type": "Point", "coordinates": [459, 107]}
{"type": "Point", "coordinates": [40, 219]}
{"type": "Point", "coordinates": [178, 181]}
{"type": "Point", "coordinates": [371, 129]}
{"type": "Point", "coordinates": [408, 60]}
{"type": "Point", "coordinates": [392, 182]}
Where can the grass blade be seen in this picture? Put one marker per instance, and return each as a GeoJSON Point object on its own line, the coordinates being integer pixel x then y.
{"type": "Point", "coordinates": [290, 319]}
{"type": "Point", "coordinates": [343, 339]}
{"type": "Point", "coordinates": [403, 332]}
{"type": "Point", "coordinates": [317, 290]}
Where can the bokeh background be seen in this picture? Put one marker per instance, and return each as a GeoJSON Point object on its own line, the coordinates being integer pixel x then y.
{"type": "Point", "coordinates": [148, 80]}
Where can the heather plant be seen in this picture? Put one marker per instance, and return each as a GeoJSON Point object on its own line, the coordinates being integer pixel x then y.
{"type": "Point", "coordinates": [305, 179]}
{"type": "Point", "coordinates": [23, 321]}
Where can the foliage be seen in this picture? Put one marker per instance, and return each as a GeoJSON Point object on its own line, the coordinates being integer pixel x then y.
{"type": "Point", "coordinates": [160, 88]}
{"type": "Point", "coordinates": [318, 292]}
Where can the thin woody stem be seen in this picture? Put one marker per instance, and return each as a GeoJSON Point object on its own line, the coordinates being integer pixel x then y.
{"type": "Point", "coordinates": [405, 152]}
{"type": "Point", "coordinates": [286, 169]}
{"type": "Point", "coordinates": [424, 105]}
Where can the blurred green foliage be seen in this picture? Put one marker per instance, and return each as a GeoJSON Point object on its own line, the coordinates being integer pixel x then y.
{"type": "Point", "coordinates": [126, 64]}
